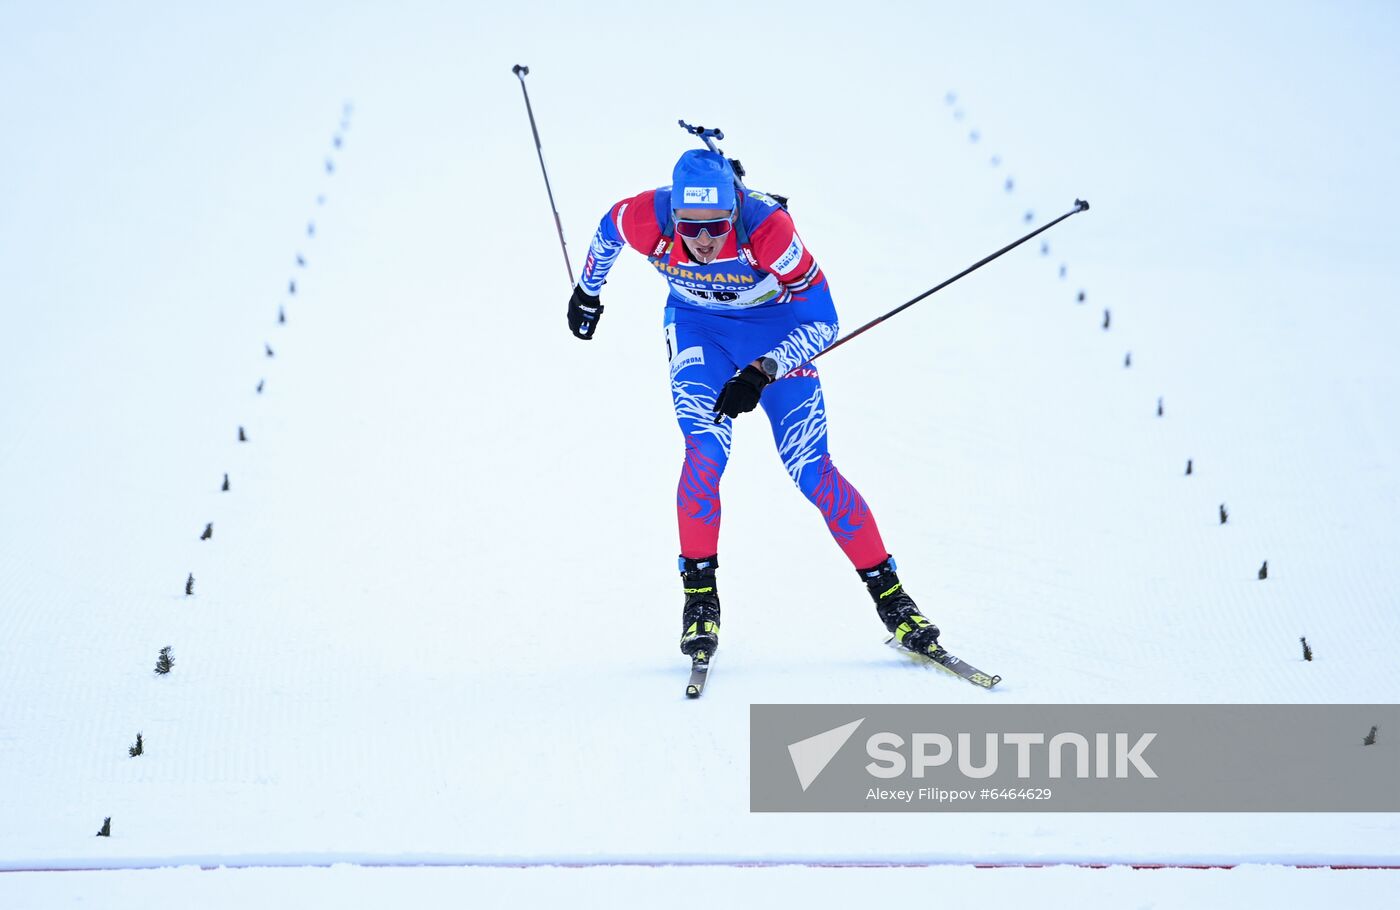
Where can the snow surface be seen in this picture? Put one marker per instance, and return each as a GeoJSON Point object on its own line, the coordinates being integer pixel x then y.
{"type": "Point", "coordinates": [436, 620]}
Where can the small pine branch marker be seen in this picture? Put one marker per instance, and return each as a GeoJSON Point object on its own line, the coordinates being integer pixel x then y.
{"type": "Point", "coordinates": [106, 827]}
{"type": "Point", "coordinates": [208, 531]}
{"type": "Point", "coordinates": [1128, 359]}
{"type": "Point", "coordinates": [267, 347]}
{"type": "Point", "coordinates": [281, 316]}
{"type": "Point", "coordinates": [260, 386]}
{"type": "Point", "coordinates": [225, 486]}
{"type": "Point", "coordinates": [189, 585]}
{"type": "Point", "coordinates": [1307, 649]}
{"type": "Point", "coordinates": [1188, 467]}
{"type": "Point", "coordinates": [139, 748]}
{"type": "Point", "coordinates": [1159, 407]}
{"type": "Point", "coordinates": [1264, 573]}
{"type": "Point", "coordinates": [165, 662]}
{"type": "Point", "coordinates": [1224, 515]}
{"type": "Point", "coordinates": [1079, 298]}
{"type": "Point", "coordinates": [1370, 739]}
{"type": "Point", "coordinates": [242, 436]}
{"type": "Point", "coordinates": [1105, 320]}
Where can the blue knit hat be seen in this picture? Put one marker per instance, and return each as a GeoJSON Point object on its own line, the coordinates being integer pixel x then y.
{"type": "Point", "coordinates": [702, 180]}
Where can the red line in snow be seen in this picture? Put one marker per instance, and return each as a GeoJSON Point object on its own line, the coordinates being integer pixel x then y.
{"type": "Point", "coordinates": [661, 864]}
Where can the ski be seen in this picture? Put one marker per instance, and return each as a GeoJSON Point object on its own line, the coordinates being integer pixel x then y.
{"type": "Point", "coordinates": [699, 672]}
{"type": "Point", "coordinates": [955, 665]}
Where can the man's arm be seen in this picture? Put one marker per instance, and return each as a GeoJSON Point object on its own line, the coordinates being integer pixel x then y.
{"type": "Point", "coordinates": [631, 218]}
{"type": "Point", "coordinates": [631, 222]}
{"type": "Point", "coordinates": [780, 250]}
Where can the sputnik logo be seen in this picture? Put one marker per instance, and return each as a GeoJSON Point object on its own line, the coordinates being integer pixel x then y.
{"type": "Point", "coordinates": [810, 756]}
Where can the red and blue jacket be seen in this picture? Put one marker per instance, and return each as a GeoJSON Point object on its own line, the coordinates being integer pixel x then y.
{"type": "Point", "coordinates": [763, 263]}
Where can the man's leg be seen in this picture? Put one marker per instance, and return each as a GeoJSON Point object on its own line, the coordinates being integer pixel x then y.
{"type": "Point", "coordinates": [797, 412]}
{"type": "Point", "coordinates": [698, 369]}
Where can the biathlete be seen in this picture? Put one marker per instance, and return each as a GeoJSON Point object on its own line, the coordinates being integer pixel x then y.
{"type": "Point", "coordinates": [748, 307]}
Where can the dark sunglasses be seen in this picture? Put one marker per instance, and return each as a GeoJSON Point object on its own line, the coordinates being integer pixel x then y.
{"type": "Point", "coordinates": [717, 227]}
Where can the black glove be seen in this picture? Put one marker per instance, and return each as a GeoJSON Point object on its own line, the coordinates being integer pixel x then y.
{"type": "Point", "coordinates": [584, 313]}
{"type": "Point", "coordinates": [740, 393]}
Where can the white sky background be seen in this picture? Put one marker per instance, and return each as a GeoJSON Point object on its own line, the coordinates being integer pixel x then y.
{"type": "Point", "coordinates": [1254, 136]}
{"type": "Point", "coordinates": [158, 164]}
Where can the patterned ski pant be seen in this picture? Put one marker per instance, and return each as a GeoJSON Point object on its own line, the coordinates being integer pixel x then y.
{"type": "Point", "coordinates": [705, 350]}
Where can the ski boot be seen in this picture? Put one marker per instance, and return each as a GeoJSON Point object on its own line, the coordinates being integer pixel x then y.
{"type": "Point", "coordinates": [897, 610]}
{"type": "Point", "coordinates": [700, 619]}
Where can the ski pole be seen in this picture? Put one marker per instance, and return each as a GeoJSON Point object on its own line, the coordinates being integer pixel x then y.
{"type": "Point", "coordinates": [522, 72]}
{"type": "Point", "coordinates": [1079, 206]}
